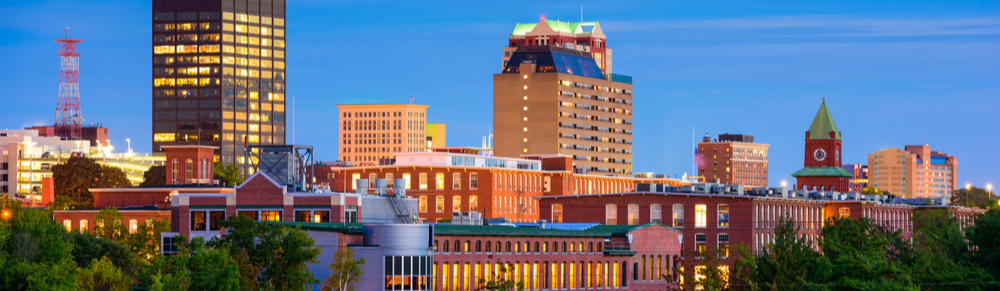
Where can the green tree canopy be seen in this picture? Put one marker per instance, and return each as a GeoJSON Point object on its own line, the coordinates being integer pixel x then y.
{"type": "Point", "coordinates": [228, 174]}
{"type": "Point", "coordinates": [154, 176]}
{"type": "Point", "coordinates": [35, 253]}
{"type": "Point", "coordinates": [864, 256]}
{"type": "Point", "coordinates": [345, 271]}
{"type": "Point", "coordinates": [102, 275]}
{"type": "Point", "coordinates": [974, 197]}
{"type": "Point", "coordinates": [984, 236]}
{"type": "Point", "coordinates": [78, 174]}
{"type": "Point", "coordinates": [501, 281]}
{"type": "Point", "coordinates": [941, 256]}
{"type": "Point", "coordinates": [279, 254]}
{"type": "Point", "coordinates": [791, 260]}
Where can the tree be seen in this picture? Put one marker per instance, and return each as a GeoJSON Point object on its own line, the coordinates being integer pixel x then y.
{"type": "Point", "coordinates": [864, 256]}
{"type": "Point", "coordinates": [88, 248]}
{"type": "Point", "coordinates": [74, 178]}
{"type": "Point", "coordinates": [228, 174]}
{"type": "Point", "coordinates": [211, 269]}
{"type": "Point", "coordinates": [791, 260]}
{"type": "Point", "coordinates": [145, 241]}
{"type": "Point", "coordinates": [869, 190]}
{"type": "Point", "coordinates": [109, 225]}
{"type": "Point", "coordinates": [500, 283]}
{"type": "Point", "coordinates": [35, 253]}
{"type": "Point", "coordinates": [940, 254]}
{"type": "Point", "coordinates": [983, 236]}
{"type": "Point", "coordinates": [973, 197]}
{"type": "Point", "coordinates": [345, 271]}
{"type": "Point", "coordinates": [282, 254]}
{"type": "Point", "coordinates": [154, 176]}
{"type": "Point", "coordinates": [102, 275]}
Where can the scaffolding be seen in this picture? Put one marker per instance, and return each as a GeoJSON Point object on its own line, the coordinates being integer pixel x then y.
{"type": "Point", "coordinates": [284, 164]}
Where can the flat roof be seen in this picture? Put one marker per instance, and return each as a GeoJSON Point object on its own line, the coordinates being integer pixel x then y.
{"type": "Point", "coordinates": [350, 228]}
{"type": "Point", "coordinates": [503, 230]}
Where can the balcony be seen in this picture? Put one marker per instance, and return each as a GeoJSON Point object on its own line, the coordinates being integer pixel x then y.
{"type": "Point", "coordinates": [618, 249]}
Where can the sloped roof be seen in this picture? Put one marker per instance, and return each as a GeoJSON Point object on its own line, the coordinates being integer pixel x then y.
{"type": "Point", "coordinates": [822, 172]}
{"type": "Point", "coordinates": [558, 27]}
{"type": "Point", "coordinates": [823, 124]}
{"type": "Point", "coordinates": [621, 230]}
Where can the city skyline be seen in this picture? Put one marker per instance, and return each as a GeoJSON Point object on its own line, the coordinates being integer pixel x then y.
{"type": "Point", "coordinates": [892, 76]}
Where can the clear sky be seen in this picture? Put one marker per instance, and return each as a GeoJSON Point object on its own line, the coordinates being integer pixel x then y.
{"type": "Point", "coordinates": [893, 72]}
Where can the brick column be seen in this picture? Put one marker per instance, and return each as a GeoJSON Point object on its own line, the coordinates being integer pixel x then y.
{"type": "Point", "coordinates": [288, 211]}
{"type": "Point", "coordinates": [337, 208]}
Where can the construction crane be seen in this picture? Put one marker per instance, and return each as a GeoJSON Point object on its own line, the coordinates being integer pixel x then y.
{"type": "Point", "coordinates": [69, 119]}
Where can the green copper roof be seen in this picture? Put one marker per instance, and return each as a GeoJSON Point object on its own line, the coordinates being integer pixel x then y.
{"type": "Point", "coordinates": [823, 124]}
{"type": "Point", "coordinates": [557, 26]}
{"type": "Point", "coordinates": [822, 172]}
{"type": "Point", "coordinates": [321, 226]}
{"type": "Point", "coordinates": [621, 230]}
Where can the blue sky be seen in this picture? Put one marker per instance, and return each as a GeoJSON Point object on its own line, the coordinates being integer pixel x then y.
{"type": "Point", "coordinates": [893, 72]}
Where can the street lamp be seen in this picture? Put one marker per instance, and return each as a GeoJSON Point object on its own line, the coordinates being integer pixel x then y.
{"type": "Point", "coordinates": [129, 141]}
{"type": "Point", "coordinates": [783, 184]}
{"type": "Point", "coordinates": [78, 146]}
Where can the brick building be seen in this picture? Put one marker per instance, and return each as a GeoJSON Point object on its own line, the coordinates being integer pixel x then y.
{"type": "Point", "coordinates": [823, 162]}
{"type": "Point", "coordinates": [496, 187]}
{"type": "Point", "coordinates": [371, 133]}
{"type": "Point", "coordinates": [914, 171]}
{"type": "Point", "coordinates": [712, 216]}
{"type": "Point", "coordinates": [733, 159]}
{"type": "Point", "coordinates": [622, 257]}
{"type": "Point", "coordinates": [586, 37]}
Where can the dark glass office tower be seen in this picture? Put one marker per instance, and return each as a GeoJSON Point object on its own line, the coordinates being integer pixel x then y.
{"type": "Point", "coordinates": [219, 74]}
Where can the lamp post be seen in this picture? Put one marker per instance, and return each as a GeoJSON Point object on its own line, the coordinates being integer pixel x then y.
{"type": "Point", "coordinates": [78, 146]}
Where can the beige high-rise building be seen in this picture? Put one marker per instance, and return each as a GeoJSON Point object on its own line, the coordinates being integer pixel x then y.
{"type": "Point", "coordinates": [914, 171]}
{"type": "Point", "coordinates": [371, 133]}
{"type": "Point", "coordinates": [552, 100]}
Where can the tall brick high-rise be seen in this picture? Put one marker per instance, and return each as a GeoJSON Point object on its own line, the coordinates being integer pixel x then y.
{"type": "Point", "coordinates": [218, 74]}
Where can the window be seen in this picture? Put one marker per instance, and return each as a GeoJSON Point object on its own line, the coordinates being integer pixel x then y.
{"type": "Point", "coordinates": [633, 214]}
{"type": "Point", "coordinates": [439, 181]}
{"type": "Point", "coordinates": [700, 215]}
{"type": "Point", "coordinates": [350, 214]}
{"type": "Point", "coordinates": [678, 215]}
{"type": "Point", "coordinates": [557, 214]}
{"type": "Point", "coordinates": [354, 180]}
{"type": "Point", "coordinates": [456, 181]}
{"type": "Point", "coordinates": [456, 203]}
{"type": "Point", "coordinates": [270, 215]}
{"type": "Point", "coordinates": [610, 214]}
{"type": "Point", "coordinates": [406, 177]}
{"type": "Point", "coordinates": [655, 213]}
{"type": "Point", "coordinates": [423, 181]}
{"type": "Point", "coordinates": [321, 216]}
{"type": "Point", "coordinates": [724, 245]}
{"type": "Point", "coordinates": [723, 215]}
{"type": "Point", "coordinates": [845, 212]}
{"type": "Point", "coordinates": [422, 204]}
{"type": "Point", "coordinates": [439, 204]}
{"type": "Point", "coordinates": [473, 181]}
{"type": "Point", "coordinates": [371, 181]}
{"type": "Point", "coordinates": [213, 217]}
{"type": "Point", "coordinates": [251, 214]}
{"type": "Point", "coordinates": [83, 225]}
{"type": "Point", "coordinates": [302, 216]}
{"type": "Point", "coordinates": [474, 203]}
{"type": "Point", "coordinates": [198, 221]}
{"type": "Point", "coordinates": [173, 170]}
{"type": "Point", "coordinates": [700, 243]}
{"type": "Point", "coordinates": [68, 224]}
{"type": "Point", "coordinates": [188, 171]}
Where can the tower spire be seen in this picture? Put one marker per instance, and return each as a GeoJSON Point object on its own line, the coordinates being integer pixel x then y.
{"type": "Point", "coordinates": [69, 119]}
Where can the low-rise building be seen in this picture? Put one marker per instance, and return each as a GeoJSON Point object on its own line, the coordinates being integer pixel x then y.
{"type": "Point", "coordinates": [733, 159]}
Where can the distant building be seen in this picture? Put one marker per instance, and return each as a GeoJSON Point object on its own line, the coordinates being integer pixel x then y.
{"type": "Point", "coordinates": [371, 133]}
{"type": "Point", "coordinates": [586, 37]}
{"type": "Point", "coordinates": [437, 135]}
{"type": "Point", "coordinates": [914, 171]}
{"type": "Point", "coordinates": [94, 134]}
{"type": "Point", "coordinates": [860, 180]}
{"type": "Point", "coordinates": [733, 159]}
{"type": "Point", "coordinates": [27, 157]}
{"type": "Point", "coordinates": [554, 100]}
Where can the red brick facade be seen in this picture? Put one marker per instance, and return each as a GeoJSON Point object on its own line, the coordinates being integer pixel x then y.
{"type": "Point", "coordinates": [189, 164]}
{"type": "Point", "coordinates": [77, 219]}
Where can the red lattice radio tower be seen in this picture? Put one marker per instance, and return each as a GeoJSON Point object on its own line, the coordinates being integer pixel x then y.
{"type": "Point", "coordinates": [69, 119]}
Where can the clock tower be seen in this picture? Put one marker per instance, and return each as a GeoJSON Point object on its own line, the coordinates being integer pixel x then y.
{"type": "Point", "coordinates": [822, 164]}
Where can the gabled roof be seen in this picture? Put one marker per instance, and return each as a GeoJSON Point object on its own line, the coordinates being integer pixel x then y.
{"type": "Point", "coordinates": [556, 26]}
{"type": "Point", "coordinates": [822, 172]}
{"type": "Point", "coordinates": [823, 124]}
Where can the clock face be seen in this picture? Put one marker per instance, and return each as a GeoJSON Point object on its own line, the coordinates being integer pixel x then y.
{"type": "Point", "coordinates": [819, 154]}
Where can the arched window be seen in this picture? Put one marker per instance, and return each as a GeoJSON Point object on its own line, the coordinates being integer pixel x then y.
{"type": "Point", "coordinates": [635, 270]}
{"type": "Point", "coordinates": [507, 247]}
{"type": "Point", "coordinates": [610, 214]}
{"type": "Point", "coordinates": [655, 213]}
{"type": "Point", "coordinates": [557, 213]}
{"type": "Point", "coordinates": [133, 226]}
{"type": "Point", "coordinates": [173, 172]}
{"type": "Point", "coordinates": [188, 171]}
{"type": "Point", "coordinates": [564, 249]}
{"type": "Point", "coordinates": [447, 246]}
{"type": "Point", "coordinates": [633, 214]}
{"type": "Point", "coordinates": [536, 247]}
{"type": "Point", "coordinates": [466, 246]}
{"type": "Point", "coordinates": [590, 247]}
{"type": "Point", "coordinates": [83, 225]}
{"type": "Point", "coordinates": [68, 224]}
{"type": "Point", "coordinates": [479, 246]}
{"type": "Point", "coordinates": [458, 246]}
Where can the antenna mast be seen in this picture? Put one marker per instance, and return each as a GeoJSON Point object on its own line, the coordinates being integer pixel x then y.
{"type": "Point", "coordinates": [69, 119]}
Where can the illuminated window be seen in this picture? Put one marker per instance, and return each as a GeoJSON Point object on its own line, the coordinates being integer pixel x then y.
{"type": "Point", "coordinates": [456, 203]}
{"type": "Point", "coordinates": [133, 226]}
{"type": "Point", "coordinates": [354, 180]}
{"type": "Point", "coordinates": [423, 204]}
{"type": "Point", "coordinates": [68, 225]}
{"type": "Point", "coordinates": [845, 212]}
{"type": "Point", "coordinates": [406, 177]}
{"type": "Point", "coordinates": [423, 181]}
{"type": "Point", "coordinates": [557, 213]}
{"type": "Point", "coordinates": [700, 215]}
{"type": "Point", "coordinates": [270, 215]}
{"type": "Point", "coordinates": [724, 245]}
{"type": "Point", "coordinates": [439, 204]}
{"type": "Point", "coordinates": [83, 225]}
{"type": "Point", "coordinates": [456, 181]}
{"type": "Point", "coordinates": [474, 203]}
{"type": "Point", "coordinates": [439, 181]}
{"type": "Point", "coordinates": [700, 243]}
{"type": "Point", "coordinates": [633, 214]}
{"type": "Point", "coordinates": [723, 215]}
